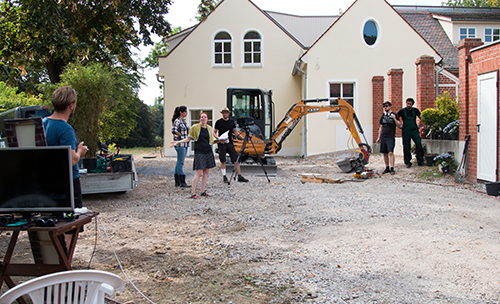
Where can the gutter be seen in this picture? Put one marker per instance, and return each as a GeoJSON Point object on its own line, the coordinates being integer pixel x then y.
{"type": "Point", "coordinates": [296, 69]}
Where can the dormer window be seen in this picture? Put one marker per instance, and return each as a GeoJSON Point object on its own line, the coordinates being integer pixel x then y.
{"type": "Point", "coordinates": [469, 32]}
{"type": "Point", "coordinates": [222, 50]}
{"type": "Point", "coordinates": [491, 34]}
{"type": "Point", "coordinates": [252, 49]}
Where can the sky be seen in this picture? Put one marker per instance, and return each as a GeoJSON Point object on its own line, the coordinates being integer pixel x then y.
{"type": "Point", "coordinates": [182, 13]}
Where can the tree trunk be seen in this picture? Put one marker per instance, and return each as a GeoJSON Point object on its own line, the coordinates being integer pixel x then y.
{"type": "Point", "coordinates": [54, 69]}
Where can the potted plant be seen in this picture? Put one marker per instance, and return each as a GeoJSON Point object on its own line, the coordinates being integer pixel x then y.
{"type": "Point", "coordinates": [435, 120]}
{"type": "Point", "coordinates": [445, 162]}
{"type": "Point", "coordinates": [452, 130]}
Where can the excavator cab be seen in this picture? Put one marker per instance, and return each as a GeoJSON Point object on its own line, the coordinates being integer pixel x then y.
{"type": "Point", "coordinates": [253, 108]}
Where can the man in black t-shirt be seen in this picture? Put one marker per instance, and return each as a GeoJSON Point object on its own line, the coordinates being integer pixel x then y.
{"type": "Point", "coordinates": [221, 126]}
{"type": "Point", "coordinates": [387, 136]}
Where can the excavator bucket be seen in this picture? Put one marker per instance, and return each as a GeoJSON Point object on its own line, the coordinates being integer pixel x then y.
{"type": "Point", "coordinates": [254, 169]}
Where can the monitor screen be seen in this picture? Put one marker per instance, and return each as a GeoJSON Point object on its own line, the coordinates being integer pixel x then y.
{"type": "Point", "coordinates": [36, 180]}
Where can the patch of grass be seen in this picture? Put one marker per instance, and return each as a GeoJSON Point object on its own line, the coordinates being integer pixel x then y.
{"type": "Point", "coordinates": [430, 173]}
{"type": "Point", "coordinates": [140, 150]}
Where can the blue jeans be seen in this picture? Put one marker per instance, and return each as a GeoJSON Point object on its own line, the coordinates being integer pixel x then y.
{"type": "Point", "coordinates": [181, 155]}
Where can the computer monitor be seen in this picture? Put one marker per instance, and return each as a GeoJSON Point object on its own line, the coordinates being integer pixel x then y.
{"type": "Point", "coordinates": [36, 180]}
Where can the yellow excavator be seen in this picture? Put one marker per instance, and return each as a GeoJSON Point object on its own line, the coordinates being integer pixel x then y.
{"type": "Point", "coordinates": [253, 110]}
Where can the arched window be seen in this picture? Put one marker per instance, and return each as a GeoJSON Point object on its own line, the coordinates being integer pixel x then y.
{"type": "Point", "coordinates": [222, 49]}
{"type": "Point", "coordinates": [252, 49]}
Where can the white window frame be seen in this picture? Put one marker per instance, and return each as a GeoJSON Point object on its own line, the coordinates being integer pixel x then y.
{"type": "Point", "coordinates": [468, 35]}
{"type": "Point", "coordinates": [243, 64]}
{"type": "Point", "coordinates": [492, 34]}
{"type": "Point", "coordinates": [222, 65]}
{"type": "Point", "coordinates": [379, 32]}
{"type": "Point", "coordinates": [355, 98]}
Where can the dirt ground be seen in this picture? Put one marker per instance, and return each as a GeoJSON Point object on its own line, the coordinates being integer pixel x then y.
{"type": "Point", "coordinates": [412, 237]}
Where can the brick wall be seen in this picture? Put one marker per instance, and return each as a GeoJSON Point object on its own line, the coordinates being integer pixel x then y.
{"type": "Point", "coordinates": [377, 101]}
{"type": "Point", "coordinates": [426, 79]}
{"type": "Point", "coordinates": [395, 87]}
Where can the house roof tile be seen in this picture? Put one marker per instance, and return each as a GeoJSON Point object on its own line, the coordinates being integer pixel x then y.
{"type": "Point", "coordinates": [432, 31]}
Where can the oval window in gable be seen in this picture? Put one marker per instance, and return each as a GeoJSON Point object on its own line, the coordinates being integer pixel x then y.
{"type": "Point", "coordinates": [370, 33]}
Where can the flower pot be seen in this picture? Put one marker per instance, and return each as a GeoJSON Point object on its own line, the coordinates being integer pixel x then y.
{"type": "Point", "coordinates": [444, 169]}
{"type": "Point", "coordinates": [493, 189]}
{"type": "Point", "coordinates": [429, 159]}
{"type": "Point", "coordinates": [89, 163]}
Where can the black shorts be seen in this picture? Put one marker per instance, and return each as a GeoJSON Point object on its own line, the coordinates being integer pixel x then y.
{"type": "Point", "coordinates": [387, 144]}
{"type": "Point", "coordinates": [227, 148]}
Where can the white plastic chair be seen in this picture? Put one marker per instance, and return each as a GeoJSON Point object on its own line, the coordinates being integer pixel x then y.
{"type": "Point", "coordinates": [67, 287]}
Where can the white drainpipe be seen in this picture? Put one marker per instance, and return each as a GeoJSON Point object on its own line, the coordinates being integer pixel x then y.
{"type": "Point", "coordinates": [437, 80]}
{"type": "Point", "coordinates": [304, 119]}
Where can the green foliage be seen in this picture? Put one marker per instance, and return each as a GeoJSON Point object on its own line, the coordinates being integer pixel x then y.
{"type": "Point", "coordinates": [158, 119]}
{"type": "Point", "coordinates": [437, 119]}
{"type": "Point", "coordinates": [474, 3]}
{"type": "Point", "coordinates": [160, 49]}
{"type": "Point", "coordinates": [120, 117]}
{"type": "Point", "coordinates": [51, 34]}
{"type": "Point", "coordinates": [143, 134]}
{"type": "Point", "coordinates": [444, 159]}
{"type": "Point", "coordinates": [10, 99]}
{"type": "Point", "coordinates": [205, 8]}
{"type": "Point", "coordinates": [107, 102]}
{"type": "Point", "coordinates": [447, 109]}
{"type": "Point", "coordinates": [430, 120]}
{"type": "Point", "coordinates": [92, 83]}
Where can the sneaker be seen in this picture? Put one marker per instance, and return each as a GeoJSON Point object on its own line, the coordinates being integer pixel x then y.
{"type": "Point", "coordinates": [392, 171]}
{"type": "Point", "coordinates": [225, 179]}
{"type": "Point", "coordinates": [408, 165]}
{"type": "Point", "coordinates": [387, 170]}
{"type": "Point", "coordinates": [242, 179]}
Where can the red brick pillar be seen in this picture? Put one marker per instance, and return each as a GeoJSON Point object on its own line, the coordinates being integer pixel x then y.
{"type": "Point", "coordinates": [426, 81]}
{"type": "Point", "coordinates": [395, 84]}
{"type": "Point", "coordinates": [468, 106]}
{"type": "Point", "coordinates": [378, 100]}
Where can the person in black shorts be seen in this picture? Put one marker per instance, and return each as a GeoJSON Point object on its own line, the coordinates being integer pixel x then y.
{"type": "Point", "coordinates": [221, 126]}
{"type": "Point", "coordinates": [387, 136]}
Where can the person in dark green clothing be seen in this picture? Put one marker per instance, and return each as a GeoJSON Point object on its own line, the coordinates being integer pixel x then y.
{"type": "Point", "coordinates": [411, 131]}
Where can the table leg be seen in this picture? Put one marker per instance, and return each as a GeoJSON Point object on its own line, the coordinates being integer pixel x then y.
{"type": "Point", "coordinates": [7, 258]}
{"type": "Point", "coordinates": [63, 258]}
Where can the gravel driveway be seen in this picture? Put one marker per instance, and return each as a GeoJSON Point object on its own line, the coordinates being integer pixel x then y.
{"type": "Point", "coordinates": [414, 237]}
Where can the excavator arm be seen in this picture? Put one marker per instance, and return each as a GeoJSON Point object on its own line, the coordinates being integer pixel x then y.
{"type": "Point", "coordinates": [304, 107]}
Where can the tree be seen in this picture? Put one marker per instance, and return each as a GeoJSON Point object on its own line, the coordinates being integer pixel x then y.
{"type": "Point", "coordinates": [205, 8]}
{"type": "Point", "coordinates": [474, 3]}
{"type": "Point", "coordinates": [106, 106]}
{"type": "Point", "coordinates": [159, 49]}
{"type": "Point", "coordinates": [51, 34]}
{"type": "Point", "coordinates": [143, 134]}
{"type": "Point", "coordinates": [9, 98]}
{"type": "Point", "coordinates": [158, 119]}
